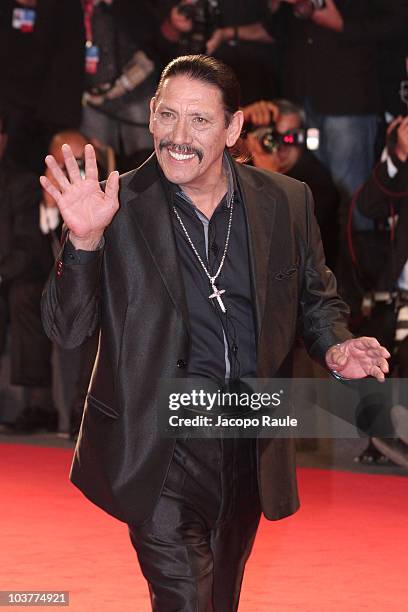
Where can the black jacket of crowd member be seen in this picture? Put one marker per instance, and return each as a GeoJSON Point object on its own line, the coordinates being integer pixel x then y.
{"type": "Point", "coordinates": [25, 259]}
{"type": "Point", "coordinates": [43, 70]}
{"type": "Point", "coordinates": [25, 253]}
{"type": "Point", "coordinates": [373, 202]}
{"type": "Point", "coordinates": [337, 71]}
{"type": "Point", "coordinates": [310, 170]}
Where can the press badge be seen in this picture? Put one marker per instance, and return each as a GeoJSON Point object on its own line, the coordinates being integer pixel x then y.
{"type": "Point", "coordinates": [24, 19]}
{"type": "Point", "coordinates": [92, 57]}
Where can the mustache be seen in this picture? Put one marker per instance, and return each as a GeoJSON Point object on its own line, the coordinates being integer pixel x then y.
{"type": "Point", "coordinates": [183, 149]}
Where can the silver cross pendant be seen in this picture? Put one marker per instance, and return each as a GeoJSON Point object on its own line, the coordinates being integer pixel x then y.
{"type": "Point", "coordinates": [217, 294]}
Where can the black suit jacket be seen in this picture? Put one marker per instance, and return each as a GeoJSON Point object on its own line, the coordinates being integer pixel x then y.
{"type": "Point", "coordinates": [133, 291]}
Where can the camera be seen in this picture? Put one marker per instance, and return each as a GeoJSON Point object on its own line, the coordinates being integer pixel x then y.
{"type": "Point", "coordinates": [271, 140]}
{"type": "Point", "coordinates": [305, 8]}
{"type": "Point", "coordinates": [205, 16]}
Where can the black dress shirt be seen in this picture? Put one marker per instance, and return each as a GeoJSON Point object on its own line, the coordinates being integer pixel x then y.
{"type": "Point", "coordinates": [222, 345]}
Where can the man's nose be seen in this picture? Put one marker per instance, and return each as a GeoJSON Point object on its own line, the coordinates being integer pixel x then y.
{"type": "Point", "coordinates": [181, 132]}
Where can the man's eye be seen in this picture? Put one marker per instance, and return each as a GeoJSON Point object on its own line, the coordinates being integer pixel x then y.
{"type": "Point", "coordinates": [166, 115]}
{"type": "Point", "coordinates": [200, 120]}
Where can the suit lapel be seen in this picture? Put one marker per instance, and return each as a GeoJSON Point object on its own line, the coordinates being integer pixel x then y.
{"type": "Point", "coordinates": [151, 212]}
{"type": "Point", "coordinates": [260, 209]}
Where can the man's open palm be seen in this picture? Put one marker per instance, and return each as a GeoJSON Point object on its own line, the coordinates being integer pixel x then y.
{"type": "Point", "coordinates": [85, 208]}
{"type": "Point", "coordinates": [359, 357]}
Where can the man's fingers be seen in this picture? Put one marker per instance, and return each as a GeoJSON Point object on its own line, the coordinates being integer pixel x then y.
{"type": "Point", "coordinates": [91, 168]}
{"type": "Point", "coordinates": [337, 358]}
{"type": "Point", "coordinates": [383, 365]}
{"type": "Point", "coordinates": [265, 112]}
{"type": "Point", "coordinates": [71, 164]}
{"type": "Point", "coordinates": [50, 189]}
{"type": "Point", "coordinates": [366, 342]}
{"type": "Point", "coordinates": [262, 113]}
{"type": "Point", "coordinates": [57, 173]}
{"type": "Point", "coordinates": [393, 123]}
{"type": "Point", "coordinates": [379, 352]}
{"type": "Point", "coordinates": [112, 186]}
{"type": "Point", "coordinates": [377, 373]}
{"type": "Point", "coordinates": [404, 122]}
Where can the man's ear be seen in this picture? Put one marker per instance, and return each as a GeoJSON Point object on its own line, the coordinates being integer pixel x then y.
{"type": "Point", "coordinates": [152, 109]}
{"type": "Point", "coordinates": [235, 127]}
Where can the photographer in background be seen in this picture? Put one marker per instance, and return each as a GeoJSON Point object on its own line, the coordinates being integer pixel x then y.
{"type": "Point", "coordinates": [331, 70]}
{"type": "Point", "coordinates": [384, 198]}
{"type": "Point", "coordinates": [232, 31]}
{"type": "Point", "coordinates": [277, 141]}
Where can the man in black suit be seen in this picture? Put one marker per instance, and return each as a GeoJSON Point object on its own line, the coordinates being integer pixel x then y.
{"type": "Point", "coordinates": [193, 226]}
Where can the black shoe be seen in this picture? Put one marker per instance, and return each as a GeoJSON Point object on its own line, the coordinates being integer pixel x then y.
{"type": "Point", "coordinates": [394, 449]}
{"type": "Point", "coordinates": [35, 419]}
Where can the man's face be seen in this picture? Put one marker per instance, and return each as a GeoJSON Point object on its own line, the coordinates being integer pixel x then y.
{"type": "Point", "coordinates": [288, 154]}
{"type": "Point", "coordinates": [187, 121]}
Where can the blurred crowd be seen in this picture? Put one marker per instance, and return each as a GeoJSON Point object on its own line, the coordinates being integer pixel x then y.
{"type": "Point", "coordinates": [325, 98]}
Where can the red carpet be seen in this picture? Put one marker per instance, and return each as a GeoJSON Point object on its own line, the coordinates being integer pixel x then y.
{"type": "Point", "coordinates": [346, 549]}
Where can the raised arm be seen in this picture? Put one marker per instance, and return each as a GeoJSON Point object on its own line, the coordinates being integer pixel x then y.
{"type": "Point", "coordinates": [70, 303]}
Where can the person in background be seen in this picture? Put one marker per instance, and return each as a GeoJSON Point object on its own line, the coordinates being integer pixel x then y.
{"type": "Point", "coordinates": [120, 76]}
{"type": "Point", "coordinates": [42, 46]}
{"type": "Point", "coordinates": [331, 69]}
{"type": "Point", "coordinates": [25, 260]}
{"type": "Point", "coordinates": [287, 120]}
{"type": "Point", "coordinates": [384, 197]}
{"type": "Point", "coordinates": [232, 31]}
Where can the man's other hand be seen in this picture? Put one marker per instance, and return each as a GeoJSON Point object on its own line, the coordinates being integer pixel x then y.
{"type": "Point", "coordinates": [401, 147]}
{"type": "Point", "coordinates": [329, 17]}
{"type": "Point", "coordinates": [358, 358]}
{"type": "Point", "coordinates": [262, 112]}
{"type": "Point", "coordinates": [261, 158]}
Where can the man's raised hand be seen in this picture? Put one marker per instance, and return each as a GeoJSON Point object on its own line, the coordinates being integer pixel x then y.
{"type": "Point", "coordinates": [85, 208]}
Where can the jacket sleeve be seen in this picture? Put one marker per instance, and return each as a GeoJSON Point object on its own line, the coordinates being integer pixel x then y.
{"type": "Point", "coordinates": [373, 201]}
{"type": "Point", "coordinates": [70, 301]}
{"type": "Point", "coordinates": [323, 314]}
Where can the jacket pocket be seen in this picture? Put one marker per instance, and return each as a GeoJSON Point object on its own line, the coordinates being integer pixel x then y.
{"type": "Point", "coordinates": [102, 407]}
{"type": "Point", "coordinates": [286, 272]}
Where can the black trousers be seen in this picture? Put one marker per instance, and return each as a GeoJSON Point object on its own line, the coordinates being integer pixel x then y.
{"type": "Point", "coordinates": [193, 549]}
